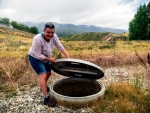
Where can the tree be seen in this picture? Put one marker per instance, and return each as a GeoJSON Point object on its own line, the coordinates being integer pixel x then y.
{"type": "Point", "coordinates": [138, 27]}
{"type": "Point", "coordinates": [23, 27]}
{"type": "Point", "coordinates": [132, 34]}
{"type": "Point", "coordinates": [148, 31]}
{"type": "Point", "coordinates": [148, 12]}
{"type": "Point", "coordinates": [33, 30]}
{"type": "Point", "coordinates": [5, 21]}
{"type": "Point", "coordinates": [19, 26]}
{"type": "Point", "coordinates": [14, 24]}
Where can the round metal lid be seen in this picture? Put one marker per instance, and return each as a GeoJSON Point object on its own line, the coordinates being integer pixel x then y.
{"type": "Point", "coordinates": [77, 68]}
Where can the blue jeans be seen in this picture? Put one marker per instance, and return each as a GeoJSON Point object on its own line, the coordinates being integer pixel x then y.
{"type": "Point", "coordinates": [39, 66]}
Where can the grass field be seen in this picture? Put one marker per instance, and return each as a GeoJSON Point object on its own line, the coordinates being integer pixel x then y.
{"type": "Point", "coordinates": [16, 72]}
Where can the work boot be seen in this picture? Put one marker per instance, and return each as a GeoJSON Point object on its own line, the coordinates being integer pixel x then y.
{"type": "Point", "coordinates": [48, 102]}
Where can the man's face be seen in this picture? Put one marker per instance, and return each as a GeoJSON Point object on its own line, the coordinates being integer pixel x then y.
{"type": "Point", "coordinates": [48, 33]}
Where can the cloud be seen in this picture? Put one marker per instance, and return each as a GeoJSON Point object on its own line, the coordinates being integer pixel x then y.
{"type": "Point", "coordinates": [114, 13]}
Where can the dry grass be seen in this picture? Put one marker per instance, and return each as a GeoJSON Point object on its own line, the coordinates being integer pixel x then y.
{"type": "Point", "coordinates": [124, 98]}
{"type": "Point", "coordinates": [16, 72]}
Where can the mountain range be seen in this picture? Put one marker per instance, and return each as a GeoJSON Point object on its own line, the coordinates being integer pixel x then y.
{"type": "Point", "coordinates": [70, 29]}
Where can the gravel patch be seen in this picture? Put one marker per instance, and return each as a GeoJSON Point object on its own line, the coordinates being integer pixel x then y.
{"type": "Point", "coordinates": [31, 101]}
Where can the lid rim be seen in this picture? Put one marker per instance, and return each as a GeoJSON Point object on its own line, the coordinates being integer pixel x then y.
{"type": "Point", "coordinates": [78, 68]}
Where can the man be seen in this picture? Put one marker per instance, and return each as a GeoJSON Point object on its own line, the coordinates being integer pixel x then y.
{"type": "Point", "coordinates": [40, 57]}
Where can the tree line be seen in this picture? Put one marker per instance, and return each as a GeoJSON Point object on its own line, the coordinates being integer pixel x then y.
{"type": "Point", "coordinates": [6, 22]}
{"type": "Point", "coordinates": [139, 27]}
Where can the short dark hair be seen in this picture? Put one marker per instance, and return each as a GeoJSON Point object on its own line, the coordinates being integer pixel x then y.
{"type": "Point", "coordinates": [49, 25]}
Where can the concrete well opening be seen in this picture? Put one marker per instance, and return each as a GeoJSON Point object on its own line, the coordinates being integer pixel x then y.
{"type": "Point", "coordinates": [76, 92]}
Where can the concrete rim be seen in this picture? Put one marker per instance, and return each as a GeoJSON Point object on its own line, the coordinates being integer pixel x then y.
{"type": "Point", "coordinates": [79, 99]}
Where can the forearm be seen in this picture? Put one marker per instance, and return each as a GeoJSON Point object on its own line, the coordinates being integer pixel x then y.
{"type": "Point", "coordinates": [65, 53]}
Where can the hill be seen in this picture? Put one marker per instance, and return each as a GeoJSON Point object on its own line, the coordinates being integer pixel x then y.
{"type": "Point", "coordinates": [70, 29]}
{"type": "Point", "coordinates": [15, 32]}
{"type": "Point", "coordinates": [92, 36]}
{"type": "Point", "coordinates": [87, 36]}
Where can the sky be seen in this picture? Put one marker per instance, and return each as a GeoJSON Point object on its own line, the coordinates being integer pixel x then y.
{"type": "Point", "coordinates": [103, 13]}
